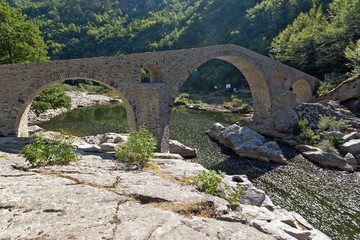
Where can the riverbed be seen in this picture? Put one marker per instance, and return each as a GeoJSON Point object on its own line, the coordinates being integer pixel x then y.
{"type": "Point", "coordinates": [328, 199]}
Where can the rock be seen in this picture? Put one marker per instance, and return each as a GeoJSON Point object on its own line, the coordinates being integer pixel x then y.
{"type": "Point", "coordinates": [350, 159]}
{"type": "Point", "coordinates": [253, 196]}
{"type": "Point", "coordinates": [109, 147]}
{"type": "Point", "coordinates": [285, 119]}
{"type": "Point", "coordinates": [97, 197]}
{"type": "Point", "coordinates": [336, 134]}
{"type": "Point", "coordinates": [113, 138]}
{"type": "Point", "coordinates": [167, 156]}
{"type": "Point", "coordinates": [181, 149]}
{"type": "Point", "coordinates": [247, 143]}
{"type": "Point", "coordinates": [308, 148]}
{"type": "Point", "coordinates": [34, 129]}
{"type": "Point", "coordinates": [352, 146]}
{"type": "Point", "coordinates": [328, 160]}
{"type": "Point", "coordinates": [351, 136]}
{"type": "Point", "coordinates": [195, 106]}
{"type": "Point", "coordinates": [312, 111]}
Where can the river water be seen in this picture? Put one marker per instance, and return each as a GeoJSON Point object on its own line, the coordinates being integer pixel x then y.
{"type": "Point", "coordinates": [328, 199]}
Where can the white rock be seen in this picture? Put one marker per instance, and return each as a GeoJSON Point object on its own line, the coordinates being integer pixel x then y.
{"type": "Point", "coordinates": [352, 146]}
{"type": "Point", "coordinates": [247, 143]}
{"type": "Point", "coordinates": [328, 160]}
{"type": "Point", "coordinates": [109, 147]}
{"type": "Point", "coordinates": [181, 149]}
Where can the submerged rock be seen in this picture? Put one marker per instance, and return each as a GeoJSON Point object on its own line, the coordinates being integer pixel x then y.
{"type": "Point", "coordinates": [247, 143]}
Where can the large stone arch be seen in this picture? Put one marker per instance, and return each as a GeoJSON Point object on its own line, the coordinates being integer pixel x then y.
{"type": "Point", "coordinates": [252, 71]}
{"type": "Point", "coordinates": [27, 97]}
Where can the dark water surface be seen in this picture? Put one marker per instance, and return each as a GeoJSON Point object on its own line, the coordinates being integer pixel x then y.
{"type": "Point", "coordinates": [328, 199]}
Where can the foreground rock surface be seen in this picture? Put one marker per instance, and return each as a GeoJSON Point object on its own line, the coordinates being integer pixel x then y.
{"type": "Point", "coordinates": [98, 198]}
{"type": "Point", "coordinates": [247, 143]}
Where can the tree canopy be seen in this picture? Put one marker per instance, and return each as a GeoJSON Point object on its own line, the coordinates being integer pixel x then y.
{"type": "Point", "coordinates": [20, 39]}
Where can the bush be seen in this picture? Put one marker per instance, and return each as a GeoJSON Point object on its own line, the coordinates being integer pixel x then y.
{"type": "Point", "coordinates": [307, 134]}
{"type": "Point", "coordinates": [328, 122]}
{"type": "Point", "coordinates": [210, 182]}
{"type": "Point", "coordinates": [139, 147]}
{"type": "Point", "coordinates": [326, 145]}
{"type": "Point", "coordinates": [245, 108]}
{"type": "Point", "coordinates": [43, 152]}
{"type": "Point", "coordinates": [186, 99]}
{"type": "Point", "coordinates": [51, 98]}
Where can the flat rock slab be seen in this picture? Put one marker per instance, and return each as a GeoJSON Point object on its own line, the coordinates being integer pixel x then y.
{"type": "Point", "coordinates": [95, 198]}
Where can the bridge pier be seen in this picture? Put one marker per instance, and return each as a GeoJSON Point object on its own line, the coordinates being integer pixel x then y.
{"type": "Point", "coordinates": [151, 111]}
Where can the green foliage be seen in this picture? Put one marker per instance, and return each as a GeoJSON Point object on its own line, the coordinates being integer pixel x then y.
{"type": "Point", "coordinates": [352, 53]}
{"type": "Point", "coordinates": [51, 98]}
{"type": "Point", "coordinates": [210, 182]}
{"type": "Point", "coordinates": [145, 75]}
{"type": "Point", "coordinates": [327, 146]}
{"type": "Point", "coordinates": [139, 147]}
{"type": "Point", "coordinates": [245, 108]}
{"type": "Point", "coordinates": [43, 152]}
{"type": "Point", "coordinates": [235, 196]}
{"type": "Point", "coordinates": [307, 134]}
{"type": "Point", "coordinates": [20, 40]}
{"type": "Point", "coordinates": [330, 123]}
{"type": "Point", "coordinates": [186, 99]}
{"type": "Point", "coordinates": [315, 42]}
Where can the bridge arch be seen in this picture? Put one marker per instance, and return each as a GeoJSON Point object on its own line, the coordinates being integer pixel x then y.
{"type": "Point", "coordinates": [28, 96]}
{"type": "Point", "coordinates": [252, 71]}
{"type": "Point", "coordinates": [303, 90]}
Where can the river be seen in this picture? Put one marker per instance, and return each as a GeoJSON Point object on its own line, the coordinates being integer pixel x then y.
{"type": "Point", "coordinates": [328, 199]}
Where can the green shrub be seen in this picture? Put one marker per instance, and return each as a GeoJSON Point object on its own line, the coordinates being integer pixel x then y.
{"type": "Point", "coordinates": [43, 152]}
{"type": "Point", "coordinates": [139, 147]}
{"type": "Point", "coordinates": [210, 182]}
{"type": "Point", "coordinates": [307, 134]}
{"type": "Point", "coordinates": [327, 122]}
{"type": "Point", "coordinates": [51, 98]}
{"type": "Point", "coordinates": [245, 108]}
{"type": "Point", "coordinates": [186, 99]}
{"type": "Point", "coordinates": [326, 145]}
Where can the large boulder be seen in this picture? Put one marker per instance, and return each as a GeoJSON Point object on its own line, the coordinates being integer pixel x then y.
{"type": "Point", "coordinates": [328, 160]}
{"type": "Point", "coordinates": [247, 143]}
{"type": "Point", "coordinates": [181, 149]}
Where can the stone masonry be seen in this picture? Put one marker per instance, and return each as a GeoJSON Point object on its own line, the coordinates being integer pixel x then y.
{"type": "Point", "coordinates": [275, 86]}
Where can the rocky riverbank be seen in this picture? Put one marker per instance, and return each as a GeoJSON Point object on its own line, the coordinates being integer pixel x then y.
{"type": "Point", "coordinates": [98, 197]}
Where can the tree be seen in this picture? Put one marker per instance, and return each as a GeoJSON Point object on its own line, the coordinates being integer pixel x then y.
{"type": "Point", "coordinates": [352, 53]}
{"type": "Point", "coordinates": [20, 40]}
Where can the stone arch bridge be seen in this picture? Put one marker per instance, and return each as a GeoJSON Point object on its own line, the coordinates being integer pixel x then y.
{"type": "Point", "coordinates": [275, 86]}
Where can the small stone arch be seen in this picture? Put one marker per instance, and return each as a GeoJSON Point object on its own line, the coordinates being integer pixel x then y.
{"type": "Point", "coordinates": [27, 97]}
{"type": "Point", "coordinates": [156, 73]}
{"type": "Point", "coordinates": [303, 90]}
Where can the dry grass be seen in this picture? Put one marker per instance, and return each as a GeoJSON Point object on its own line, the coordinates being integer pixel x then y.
{"type": "Point", "coordinates": [187, 209]}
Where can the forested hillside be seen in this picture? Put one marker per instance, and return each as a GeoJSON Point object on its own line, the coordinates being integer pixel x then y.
{"type": "Point", "coordinates": [316, 36]}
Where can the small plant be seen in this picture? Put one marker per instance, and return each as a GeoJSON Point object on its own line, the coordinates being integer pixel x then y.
{"type": "Point", "coordinates": [307, 134]}
{"type": "Point", "coordinates": [210, 182]}
{"type": "Point", "coordinates": [245, 108]}
{"type": "Point", "coordinates": [139, 147]}
{"type": "Point", "coordinates": [330, 123]}
{"type": "Point", "coordinates": [43, 152]}
{"type": "Point", "coordinates": [327, 146]}
{"type": "Point", "coordinates": [234, 197]}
